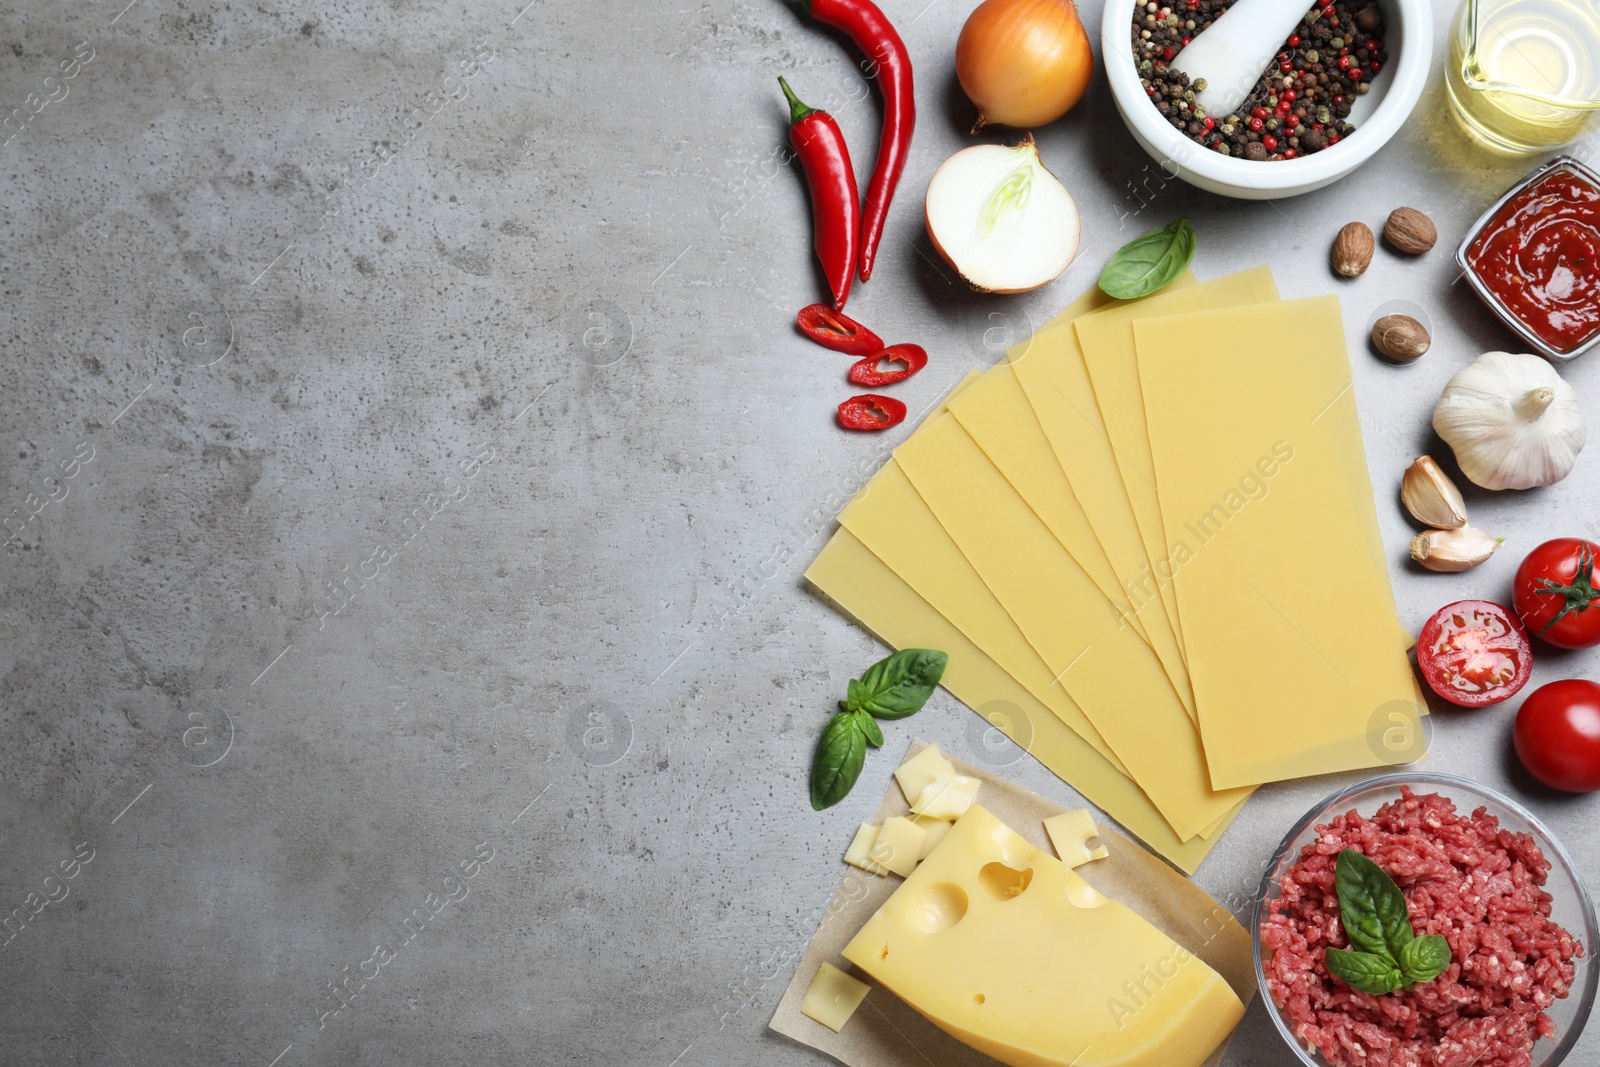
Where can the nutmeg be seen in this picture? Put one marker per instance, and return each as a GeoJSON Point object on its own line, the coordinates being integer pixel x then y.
{"type": "Point", "coordinates": [1352, 250]}
{"type": "Point", "coordinates": [1400, 338]}
{"type": "Point", "coordinates": [1410, 231]}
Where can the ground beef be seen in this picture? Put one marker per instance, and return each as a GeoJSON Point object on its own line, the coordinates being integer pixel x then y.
{"type": "Point", "coordinates": [1464, 878]}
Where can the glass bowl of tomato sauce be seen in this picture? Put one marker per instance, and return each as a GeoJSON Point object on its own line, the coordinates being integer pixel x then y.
{"type": "Point", "coordinates": [1534, 257]}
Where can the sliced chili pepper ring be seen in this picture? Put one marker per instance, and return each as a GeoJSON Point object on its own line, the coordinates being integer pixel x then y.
{"type": "Point", "coordinates": [871, 412]}
{"type": "Point", "coordinates": [904, 360]}
{"type": "Point", "coordinates": [838, 331]}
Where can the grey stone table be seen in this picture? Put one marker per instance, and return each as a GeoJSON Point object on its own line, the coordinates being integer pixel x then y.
{"type": "Point", "coordinates": [412, 467]}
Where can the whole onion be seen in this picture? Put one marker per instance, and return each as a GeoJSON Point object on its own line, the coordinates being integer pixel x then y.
{"type": "Point", "coordinates": [1024, 62]}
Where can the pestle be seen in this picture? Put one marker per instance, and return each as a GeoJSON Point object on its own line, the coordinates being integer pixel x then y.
{"type": "Point", "coordinates": [1234, 51]}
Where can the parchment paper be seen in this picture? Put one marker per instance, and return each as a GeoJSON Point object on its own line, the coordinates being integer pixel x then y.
{"type": "Point", "coordinates": [886, 1032]}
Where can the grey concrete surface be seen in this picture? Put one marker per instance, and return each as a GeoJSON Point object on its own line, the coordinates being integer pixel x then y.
{"type": "Point", "coordinates": [441, 479]}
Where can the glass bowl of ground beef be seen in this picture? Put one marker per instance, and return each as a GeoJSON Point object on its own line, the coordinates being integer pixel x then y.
{"type": "Point", "coordinates": [1477, 869]}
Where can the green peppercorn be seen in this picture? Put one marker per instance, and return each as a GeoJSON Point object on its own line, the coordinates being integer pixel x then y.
{"type": "Point", "coordinates": [1200, 85]}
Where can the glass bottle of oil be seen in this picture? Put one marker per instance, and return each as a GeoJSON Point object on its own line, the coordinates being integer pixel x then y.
{"type": "Point", "coordinates": [1524, 75]}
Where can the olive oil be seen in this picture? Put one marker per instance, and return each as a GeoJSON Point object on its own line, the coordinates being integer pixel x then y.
{"type": "Point", "coordinates": [1524, 75]}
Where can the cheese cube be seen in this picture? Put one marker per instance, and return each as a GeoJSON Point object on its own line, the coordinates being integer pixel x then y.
{"type": "Point", "coordinates": [915, 773]}
{"type": "Point", "coordinates": [1076, 838]}
{"type": "Point", "coordinates": [833, 996]}
{"type": "Point", "coordinates": [1008, 951]}
{"type": "Point", "coordinates": [898, 845]}
{"type": "Point", "coordinates": [947, 796]}
{"type": "Point", "coordinates": [859, 854]}
{"type": "Point", "coordinates": [936, 829]}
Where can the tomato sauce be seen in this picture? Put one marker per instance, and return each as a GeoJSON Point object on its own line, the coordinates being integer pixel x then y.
{"type": "Point", "coordinates": [1540, 256]}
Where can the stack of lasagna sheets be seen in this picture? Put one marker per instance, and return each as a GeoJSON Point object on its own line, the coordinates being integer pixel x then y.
{"type": "Point", "coordinates": [1148, 541]}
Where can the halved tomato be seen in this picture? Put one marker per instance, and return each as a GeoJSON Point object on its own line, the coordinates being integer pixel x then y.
{"type": "Point", "coordinates": [1474, 653]}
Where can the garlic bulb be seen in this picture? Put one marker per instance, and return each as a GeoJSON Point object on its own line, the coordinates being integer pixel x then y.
{"type": "Point", "coordinates": [1431, 497]}
{"type": "Point", "coordinates": [1451, 551]}
{"type": "Point", "coordinates": [1512, 420]}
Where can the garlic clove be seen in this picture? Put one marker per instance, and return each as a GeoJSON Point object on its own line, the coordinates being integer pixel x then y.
{"type": "Point", "coordinates": [1513, 422]}
{"type": "Point", "coordinates": [1452, 551]}
{"type": "Point", "coordinates": [1431, 497]}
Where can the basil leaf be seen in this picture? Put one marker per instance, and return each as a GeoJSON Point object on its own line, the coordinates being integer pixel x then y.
{"type": "Point", "coordinates": [1371, 906]}
{"type": "Point", "coordinates": [1364, 971]}
{"type": "Point", "coordinates": [898, 686]}
{"type": "Point", "coordinates": [841, 752]}
{"type": "Point", "coordinates": [1425, 958]}
{"type": "Point", "coordinates": [1148, 263]}
{"type": "Point", "coordinates": [869, 728]}
{"type": "Point", "coordinates": [855, 696]}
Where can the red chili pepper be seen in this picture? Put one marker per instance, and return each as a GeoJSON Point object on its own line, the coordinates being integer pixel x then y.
{"type": "Point", "coordinates": [838, 331]}
{"type": "Point", "coordinates": [911, 358]}
{"type": "Point", "coordinates": [835, 212]}
{"type": "Point", "coordinates": [888, 60]}
{"type": "Point", "coordinates": [870, 412]}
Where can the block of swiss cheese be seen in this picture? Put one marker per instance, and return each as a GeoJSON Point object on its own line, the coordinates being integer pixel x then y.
{"type": "Point", "coordinates": [1003, 947]}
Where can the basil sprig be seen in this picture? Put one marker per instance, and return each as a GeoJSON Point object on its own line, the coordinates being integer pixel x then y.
{"type": "Point", "coordinates": [1385, 953]}
{"type": "Point", "coordinates": [1148, 263]}
{"type": "Point", "coordinates": [898, 686]}
{"type": "Point", "coordinates": [892, 688]}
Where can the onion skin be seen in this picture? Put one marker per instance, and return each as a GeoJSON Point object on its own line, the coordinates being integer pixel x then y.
{"type": "Point", "coordinates": [1024, 62]}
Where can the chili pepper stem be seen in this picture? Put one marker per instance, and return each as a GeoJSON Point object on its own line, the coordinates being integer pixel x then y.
{"type": "Point", "coordinates": [797, 110]}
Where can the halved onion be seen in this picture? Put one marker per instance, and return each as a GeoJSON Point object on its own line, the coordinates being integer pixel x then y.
{"type": "Point", "coordinates": [1001, 219]}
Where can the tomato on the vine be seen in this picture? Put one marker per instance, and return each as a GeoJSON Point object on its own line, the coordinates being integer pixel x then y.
{"type": "Point", "coordinates": [1555, 596]}
{"type": "Point", "coordinates": [1557, 735]}
{"type": "Point", "coordinates": [1474, 653]}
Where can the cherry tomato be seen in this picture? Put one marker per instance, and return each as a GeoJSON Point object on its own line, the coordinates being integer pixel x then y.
{"type": "Point", "coordinates": [903, 360]}
{"type": "Point", "coordinates": [1554, 591]}
{"type": "Point", "coordinates": [1557, 735]}
{"type": "Point", "coordinates": [838, 331]}
{"type": "Point", "coordinates": [870, 412]}
{"type": "Point", "coordinates": [1474, 653]}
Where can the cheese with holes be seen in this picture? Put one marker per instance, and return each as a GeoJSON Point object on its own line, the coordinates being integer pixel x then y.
{"type": "Point", "coordinates": [947, 796]}
{"type": "Point", "coordinates": [833, 996]}
{"type": "Point", "coordinates": [1076, 838]}
{"type": "Point", "coordinates": [859, 854]}
{"type": "Point", "coordinates": [1008, 951]}
{"type": "Point", "coordinates": [915, 773]}
{"type": "Point", "coordinates": [898, 845]}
